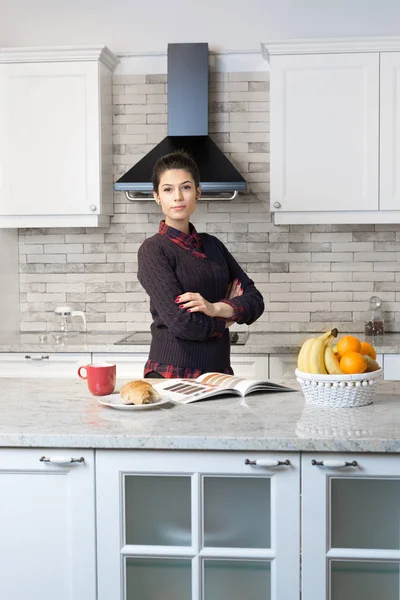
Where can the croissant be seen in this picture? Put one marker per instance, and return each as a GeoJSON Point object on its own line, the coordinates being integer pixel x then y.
{"type": "Point", "coordinates": [138, 392]}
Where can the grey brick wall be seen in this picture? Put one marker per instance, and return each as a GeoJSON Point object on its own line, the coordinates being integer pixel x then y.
{"type": "Point", "coordinates": [312, 277]}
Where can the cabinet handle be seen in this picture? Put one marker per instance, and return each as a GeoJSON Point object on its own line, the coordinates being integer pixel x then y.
{"type": "Point", "coordinates": [28, 357]}
{"type": "Point", "coordinates": [93, 207]}
{"type": "Point", "coordinates": [277, 204]}
{"type": "Point", "coordinates": [334, 464]}
{"type": "Point", "coordinates": [61, 460]}
{"type": "Point", "coordinates": [265, 462]}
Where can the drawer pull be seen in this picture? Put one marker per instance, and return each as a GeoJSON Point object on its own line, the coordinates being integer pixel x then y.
{"type": "Point", "coordinates": [334, 464]}
{"type": "Point", "coordinates": [61, 460]}
{"type": "Point", "coordinates": [264, 462]}
{"type": "Point", "coordinates": [28, 357]}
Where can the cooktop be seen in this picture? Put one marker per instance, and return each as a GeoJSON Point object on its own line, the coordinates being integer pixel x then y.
{"type": "Point", "coordinates": [238, 338]}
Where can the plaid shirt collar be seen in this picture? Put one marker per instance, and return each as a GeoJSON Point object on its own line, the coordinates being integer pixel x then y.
{"type": "Point", "coordinates": [189, 241]}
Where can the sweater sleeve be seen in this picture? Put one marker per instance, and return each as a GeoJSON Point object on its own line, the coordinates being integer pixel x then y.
{"type": "Point", "coordinates": [250, 306]}
{"type": "Point", "coordinates": [160, 282]}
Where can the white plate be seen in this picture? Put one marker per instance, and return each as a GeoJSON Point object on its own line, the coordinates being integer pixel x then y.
{"type": "Point", "coordinates": [115, 401]}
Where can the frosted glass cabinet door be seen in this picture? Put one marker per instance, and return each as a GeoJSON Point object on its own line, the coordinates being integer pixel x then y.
{"type": "Point", "coordinates": [368, 580]}
{"type": "Point", "coordinates": [163, 578]}
{"type": "Point", "coordinates": [237, 512]}
{"type": "Point", "coordinates": [190, 525]}
{"type": "Point", "coordinates": [157, 510]}
{"type": "Point", "coordinates": [351, 527]}
{"type": "Point", "coordinates": [355, 504]}
{"type": "Point", "coordinates": [236, 580]}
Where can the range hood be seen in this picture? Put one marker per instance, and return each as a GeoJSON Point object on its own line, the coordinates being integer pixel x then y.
{"type": "Point", "coordinates": [187, 129]}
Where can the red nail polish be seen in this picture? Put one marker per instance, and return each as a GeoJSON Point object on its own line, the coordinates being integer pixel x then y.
{"type": "Point", "coordinates": [188, 310]}
{"type": "Point", "coordinates": [177, 299]}
{"type": "Point", "coordinates": [181, 306]}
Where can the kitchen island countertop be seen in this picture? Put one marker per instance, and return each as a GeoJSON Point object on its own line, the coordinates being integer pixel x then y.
{"type": "Point", "coordinates": [50, 413]}
{"type": "Point", "coordinates": [258, 343]}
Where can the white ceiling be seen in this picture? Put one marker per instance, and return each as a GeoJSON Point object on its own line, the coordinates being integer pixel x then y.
{"type": "Point", "coordinates": [138, 26]}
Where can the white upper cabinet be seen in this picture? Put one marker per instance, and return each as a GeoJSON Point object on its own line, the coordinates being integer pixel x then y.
{"type": "Point", "coordinates": [390, 132]}
{"type": "Point", "coordinates": [335, 131]}
{"type": "Point", "coordinates": [56, 137]}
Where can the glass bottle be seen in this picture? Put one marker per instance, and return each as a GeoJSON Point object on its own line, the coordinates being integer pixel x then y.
{"type": "Point", "coordinates": [374, 324]}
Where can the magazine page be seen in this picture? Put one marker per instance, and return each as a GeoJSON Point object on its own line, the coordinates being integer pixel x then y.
{"type": "Point", "coordinates": [185, 391]}
{"type": "Point", "coordinates": [240, 384]}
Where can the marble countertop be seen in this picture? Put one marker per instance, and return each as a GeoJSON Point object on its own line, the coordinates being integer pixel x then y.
{"type": "Point", "coordinates": [258, 343]}
{"type": "Point", "coordinates": [50, 413]}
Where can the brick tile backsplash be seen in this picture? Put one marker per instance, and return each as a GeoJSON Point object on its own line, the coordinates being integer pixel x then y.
{"type": "Point", "coordinates": [312, 276]}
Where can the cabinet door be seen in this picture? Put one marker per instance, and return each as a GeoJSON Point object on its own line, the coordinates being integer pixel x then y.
{"type": "Point", "coordinates": [350, 537]}
{"type": "Point", "coordinates": [390, 131]}
{"type": "Point", "coordinates": [250, 365]}
{"type": "Point", "coordinates": [194, 526]}
{"type": "Point", "coordinates": [282, 366]}
{"type": "Point", "coordinates": [47, 524]}
{"type": "Point", "coordinates": [42, 364]}
{"type": "Point", "coordinates": [49, 138]}
{"type": "Point", "coordinates": [324, 132]}
{"type": "Point", "coordinates": [391, 366]}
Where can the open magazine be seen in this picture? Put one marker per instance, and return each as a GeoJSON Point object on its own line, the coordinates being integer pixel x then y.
{"type": "Point", "coordinates": [210, 385]}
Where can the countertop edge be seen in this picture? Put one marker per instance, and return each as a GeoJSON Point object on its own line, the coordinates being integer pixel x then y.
{"type": "Point", "coordinates": [200, 443]}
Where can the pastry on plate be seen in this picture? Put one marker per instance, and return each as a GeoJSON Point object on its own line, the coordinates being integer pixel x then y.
{"type": "Point", "coordinates": [139, 392]}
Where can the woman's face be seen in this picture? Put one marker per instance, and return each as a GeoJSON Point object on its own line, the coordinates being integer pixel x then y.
{"type": "Point", "coordinates": [177, 196]}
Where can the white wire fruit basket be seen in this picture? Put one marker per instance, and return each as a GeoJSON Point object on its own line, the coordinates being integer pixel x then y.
{"type": "Point", "coordinates": [339, 391]}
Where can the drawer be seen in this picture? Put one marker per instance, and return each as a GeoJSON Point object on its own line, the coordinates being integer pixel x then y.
{"type": "Point", "coordinates": [42, 364]}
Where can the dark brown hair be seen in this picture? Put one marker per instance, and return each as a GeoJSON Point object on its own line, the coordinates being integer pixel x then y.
{"type": "Point", "coordinates": [175, 160]}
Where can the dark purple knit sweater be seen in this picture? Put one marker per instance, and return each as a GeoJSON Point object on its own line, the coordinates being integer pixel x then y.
{"type": "Point", "coordinates": [184, 339]}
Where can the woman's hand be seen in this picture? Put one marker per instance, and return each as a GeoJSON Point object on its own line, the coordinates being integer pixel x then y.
{"type": "Point", "coordinates": [194, 302]}
{"type": "Point", "coordinates": [234, 290]}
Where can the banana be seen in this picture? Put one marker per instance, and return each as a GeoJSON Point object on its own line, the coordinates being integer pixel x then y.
{"type": "Point", "coordinates": [304, 354]}
{"type": "Point", "coordinates": [372, 365]}
{"type": "Point", "coordinates": [316, 361]}
{"type": "Point", "coordinates": [316, 358]}
{"type": "Point", "coordinates": [311, 355]}
{"type": "Point", "coordinates": [331, 362]}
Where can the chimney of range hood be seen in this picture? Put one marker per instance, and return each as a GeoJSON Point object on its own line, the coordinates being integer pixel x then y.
{"type": "Point", "coordinates": [187, 128]}
{"type": "Point", "coordinates": [188, 89]}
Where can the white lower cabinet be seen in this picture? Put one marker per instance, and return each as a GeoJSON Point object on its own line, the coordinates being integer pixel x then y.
{"type": "Point", "coordinates": [252, 366]}
{"type": "Point", "coordinates": [197, 525]}
{"type": "Point", "coordinates": [350, 527]}
{"type": "Point", "coordinates": [47, 525]}
{"type": "Point", "coordinates": [282, 366]}
{"type": "Point", "coordinates": [391, 366]}
{"type": "Point", "coordinates": [132, 364]}
{"type": "Point", "coordinates": [128, 365]}
{"type": "Point", "coordinates": [42, 364]}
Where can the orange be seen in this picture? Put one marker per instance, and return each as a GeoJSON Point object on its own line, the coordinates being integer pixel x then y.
{"type": "Point", "coordinates": [348, 343]}
{"type": "Point", "coordinates": [367, 349]}
{"type": "Point", "coordinates": [353, 362]}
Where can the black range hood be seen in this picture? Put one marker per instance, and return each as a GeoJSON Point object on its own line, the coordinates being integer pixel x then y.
{"type": "Point", "coordinates": [187, 128]}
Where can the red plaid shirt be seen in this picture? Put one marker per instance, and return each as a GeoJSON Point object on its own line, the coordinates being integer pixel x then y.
{"type": "Point", "coordinates": [189, 241]}
{"type": "Point", "coordinates": [192, 243]}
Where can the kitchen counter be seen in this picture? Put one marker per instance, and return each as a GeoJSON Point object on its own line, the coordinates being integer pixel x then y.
{"type": "Point", "coordinates": [63, 414]}
{"type": "Point", "coordinates": [258, 343]}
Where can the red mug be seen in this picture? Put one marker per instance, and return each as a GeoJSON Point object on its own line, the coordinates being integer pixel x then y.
{"type": "Point", "coordinates": [100, 378]}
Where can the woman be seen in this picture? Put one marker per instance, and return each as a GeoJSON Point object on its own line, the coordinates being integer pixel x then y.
{"type": "Point", "coordinates": [197, 289]}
